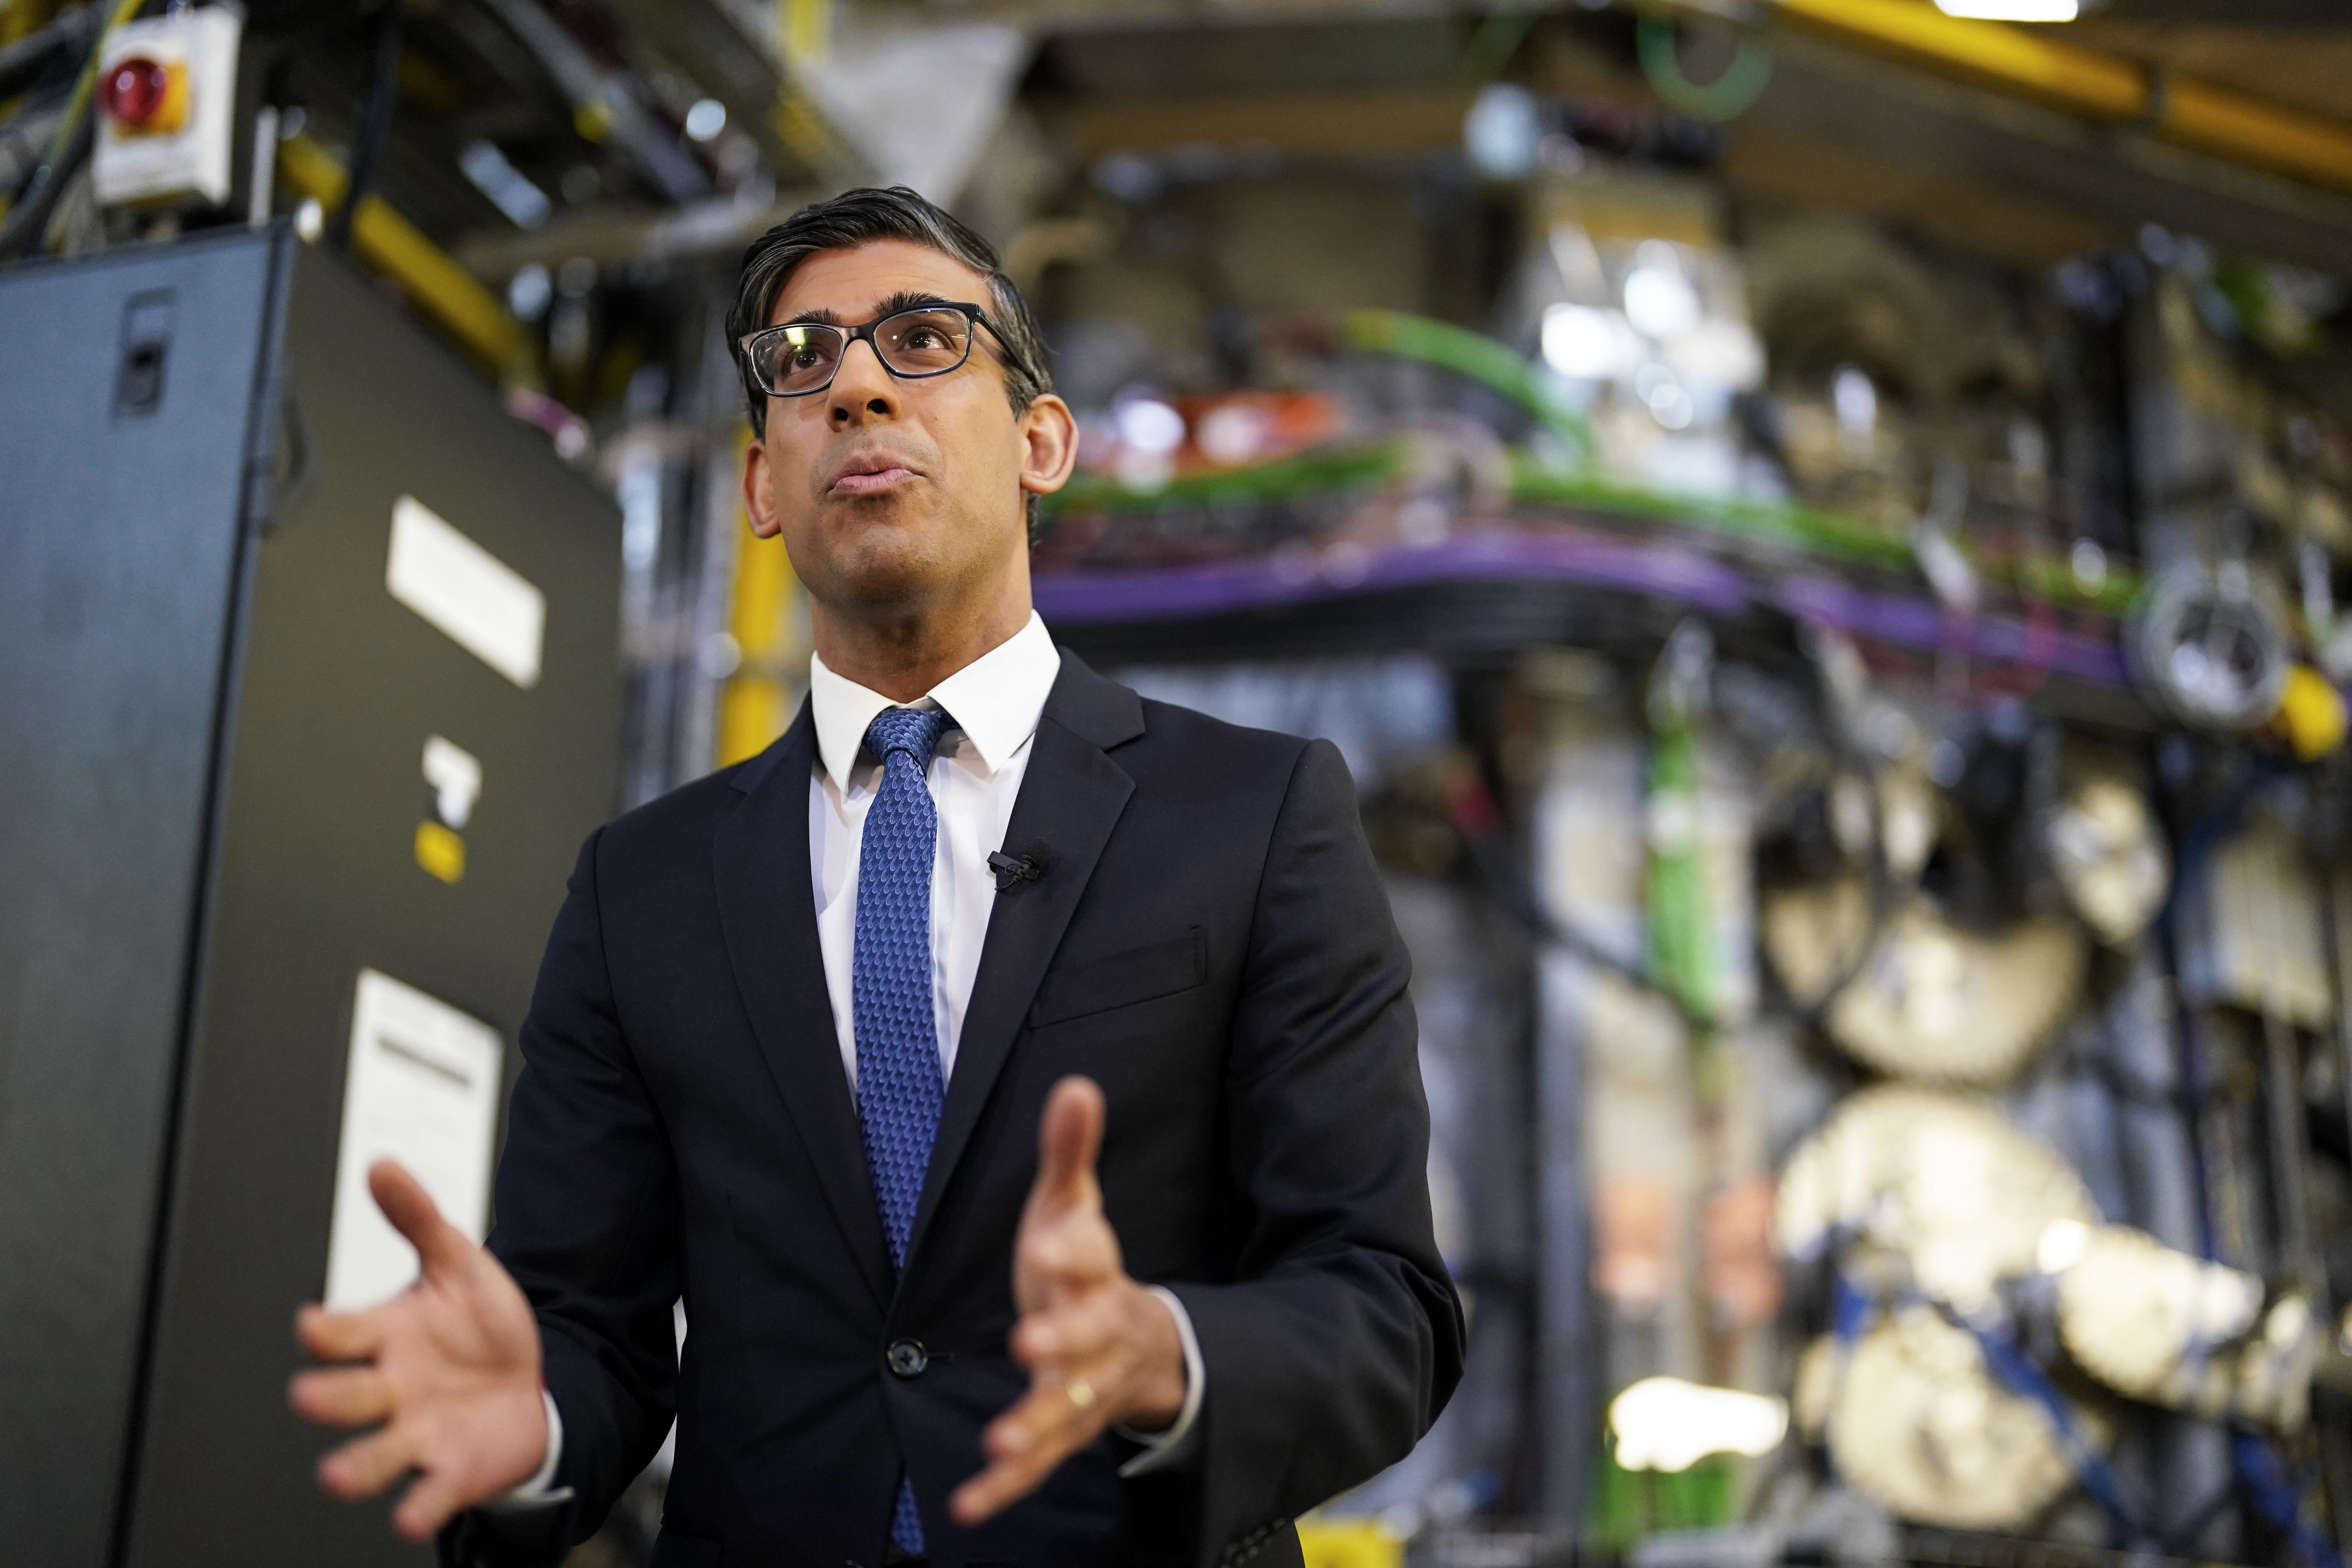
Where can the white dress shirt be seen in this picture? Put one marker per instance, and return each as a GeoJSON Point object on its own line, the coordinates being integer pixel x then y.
{"type": "Point", "coordinates": [992, 705]}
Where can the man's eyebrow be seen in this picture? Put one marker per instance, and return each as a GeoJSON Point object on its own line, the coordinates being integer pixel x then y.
{"type": "Point", "coordinates": [907, 300]}
{"type": "Point", "coordinates": [904, 299]}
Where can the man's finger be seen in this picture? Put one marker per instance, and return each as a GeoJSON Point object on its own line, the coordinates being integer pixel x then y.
{"type": "Point", "coordinates": [342, 1397]}
{"type": "Point", "coordinates": [1075, 1249]}
{"type": "Point", "coordinates": [1065, 1335]}
{"type": "Point", "coordinates": [426, 1507]}
{"type": "Point", "coordinates": [406, 1203]}
{"type": "Point", "coordinates": [1046, 1421]}
{"type": "Point", "coordinates": [366, 1468]}
{"type": "Point", "coordinates": [1025, 1445]}
{"type": "Point", "coordinates": [997, 1488]}
{"type": "Point", "coordinates": [340, 1336]}
{"type": "Point", "coordinates": [1068, 1136]}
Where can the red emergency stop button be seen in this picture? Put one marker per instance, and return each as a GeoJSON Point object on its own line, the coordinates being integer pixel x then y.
{"type": "Point", "coordinates": [143, 95]}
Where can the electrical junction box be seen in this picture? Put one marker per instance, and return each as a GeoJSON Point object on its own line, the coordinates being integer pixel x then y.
{"type": "Point", "coordinates": [308, 696]}
{"type": "Point", "coordinates": [167, 109]}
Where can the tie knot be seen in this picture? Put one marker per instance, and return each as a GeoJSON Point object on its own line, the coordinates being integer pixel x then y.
{"type": "Point", "coordinates": [914, 731]}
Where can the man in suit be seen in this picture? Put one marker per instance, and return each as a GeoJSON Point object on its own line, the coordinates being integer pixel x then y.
{"type": "Point", "coordinates": [1012, 1075]}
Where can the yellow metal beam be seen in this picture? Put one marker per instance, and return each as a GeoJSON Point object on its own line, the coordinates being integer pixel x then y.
{"type": "Point", "coordinates": [397, 249]}
{"type": "Point", "coordinates": [19, 20]}
{"type": "Point", "coordinates": [755, 705]}
{"type": "Point", "coordinates": [2102, 87]}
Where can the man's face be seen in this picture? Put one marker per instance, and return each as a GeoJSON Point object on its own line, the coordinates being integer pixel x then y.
{"type": "Point", "coordinates": [893, 494]}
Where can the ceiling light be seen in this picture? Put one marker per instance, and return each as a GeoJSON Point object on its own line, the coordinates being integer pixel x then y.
{"type": "Point", "coordinates": [530, 291]}
{"type": "Point", "coordinates": [1660, 302]}
{"type": "Point", "coordinates": [508, 188]}
{"type": "Point", "coordinates": [1503, 132]}
{"type": "Point", "coordinates": [1587, 343]}
{"type": "Point", "coordinates": [1149, 425]}
{"type": "Point", "coordinates": [2012, 10]}
{"type": "Point", "coordinates": [706, 120]}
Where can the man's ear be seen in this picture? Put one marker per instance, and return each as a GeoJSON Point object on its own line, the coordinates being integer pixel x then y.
{"type": "Point", "coordinates": [759, 495]}
{"type": "Point", "coordinates": [1049, 433]}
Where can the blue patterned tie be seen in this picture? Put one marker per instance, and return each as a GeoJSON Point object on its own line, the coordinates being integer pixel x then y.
{"type": "Point", "coordinates": [899, 1083]}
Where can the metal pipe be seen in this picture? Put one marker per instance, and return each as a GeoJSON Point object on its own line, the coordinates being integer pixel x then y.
{"type": "Point", "coordinates": [395, 246]}
{"type": "Point", "coordinates": [2211, 120]}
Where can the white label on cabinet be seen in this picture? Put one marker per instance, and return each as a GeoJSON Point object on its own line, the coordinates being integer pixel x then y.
{"type": "Point", "coordinates": [422, 1089]}
{"type": "Point", "coordinates": [490, 609]}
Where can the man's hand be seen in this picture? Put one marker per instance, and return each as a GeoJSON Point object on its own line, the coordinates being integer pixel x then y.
{"type": "Point", "coordinates": [449, 1367]}
{"type": "Point", "coordinates": [1101, 1349]}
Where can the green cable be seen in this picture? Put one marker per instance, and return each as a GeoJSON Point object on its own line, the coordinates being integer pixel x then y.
{"type": "Point", "coordinates": [1727, 97]}
{"type": "Point", "coordinates": [1794, 526]}
{"type": "Point", "coordinates": [1675, 926]}
{"type": "Point", "coordinates": [1286, 478]}
{"type": "Point", "coordinates": [1474, 355]}
{"type": "Point", "coordinates": [1539, 481]}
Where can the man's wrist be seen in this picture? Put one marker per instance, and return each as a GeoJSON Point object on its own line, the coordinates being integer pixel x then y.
{"type": "Point", "coordinates": [540, 1490]}
{"type": "Point", "coordinates": [1158, 1399]}
{"type": "Point", "coordinates": [1176, 1445]}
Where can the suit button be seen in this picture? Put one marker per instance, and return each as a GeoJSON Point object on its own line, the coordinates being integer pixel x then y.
{"type": "Point", "coordinates": [905, 1358]}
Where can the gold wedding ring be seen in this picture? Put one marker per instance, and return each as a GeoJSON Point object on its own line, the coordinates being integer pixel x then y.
{"type": "Point", "coordinates": [1081, 1391]}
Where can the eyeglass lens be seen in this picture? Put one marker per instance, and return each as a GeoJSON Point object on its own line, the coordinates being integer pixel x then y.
{"type": "Point", "coordinates": [801, 357]}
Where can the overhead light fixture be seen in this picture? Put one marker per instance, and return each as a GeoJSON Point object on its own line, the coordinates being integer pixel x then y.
{"type": "Point", "coordinates": [1503, 133]}
{"type": "Point", "coordinates": [508, 188]}
{"type": "Point", "coordinates": [2012, 10]}
{"type": "Point", "coordinates": [1588, 343]}
{"type": "Point", "coordinates": [706, 120]}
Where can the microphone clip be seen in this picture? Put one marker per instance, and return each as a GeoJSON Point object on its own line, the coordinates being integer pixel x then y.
{"type": "Point", "coordinates": [1011, 870]}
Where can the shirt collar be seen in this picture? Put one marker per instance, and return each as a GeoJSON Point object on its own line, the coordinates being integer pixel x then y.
{"type": "Point", "coordinates": [995, 700]}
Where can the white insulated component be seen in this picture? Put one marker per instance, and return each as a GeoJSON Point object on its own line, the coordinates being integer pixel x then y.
{"type": "Point", "coordinates": [167, 109]}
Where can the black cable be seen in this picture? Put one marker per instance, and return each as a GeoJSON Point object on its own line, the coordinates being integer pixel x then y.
{"type": "Point", "coordinates": [1499, 870]}
{"type": "Point", "coordinates": [23, 62]}
{"type": "Point", "coordinates": [20, 235]}
{"type": "Point", "coordinates": [374, 127]}
{"type": "Point", "coordinates": [1493, 860]}
{"type": "Point", "coordinates": [26, 138]}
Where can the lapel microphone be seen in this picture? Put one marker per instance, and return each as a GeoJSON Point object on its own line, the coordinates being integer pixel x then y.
{"type": "Point", "coordinates": [1011, 870]}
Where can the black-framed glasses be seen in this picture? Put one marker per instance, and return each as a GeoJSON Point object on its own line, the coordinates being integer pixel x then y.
{"type": "Point", "coordinates": [801, 357]}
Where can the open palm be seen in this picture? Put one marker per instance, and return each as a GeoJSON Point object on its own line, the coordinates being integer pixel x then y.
{"type": "Point", "coordinates": [1101, 1349]}
{"type": "Point", "coordinates": [449, 1369]}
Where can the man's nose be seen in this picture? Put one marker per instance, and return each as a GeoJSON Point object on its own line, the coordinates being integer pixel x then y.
{"type": "Point", "coordinates": [862, 390]}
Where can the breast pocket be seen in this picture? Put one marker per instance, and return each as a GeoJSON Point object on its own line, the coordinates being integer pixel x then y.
{"type": "Point", "coordinates": [1138, 975]}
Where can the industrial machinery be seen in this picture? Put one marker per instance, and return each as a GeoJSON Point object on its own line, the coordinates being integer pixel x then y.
{"type": "Point", "coordinates": [311, 695]}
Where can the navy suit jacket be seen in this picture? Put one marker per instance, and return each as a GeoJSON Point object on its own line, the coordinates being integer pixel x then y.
{"type": "Point", "coordinates": [1209, 942]}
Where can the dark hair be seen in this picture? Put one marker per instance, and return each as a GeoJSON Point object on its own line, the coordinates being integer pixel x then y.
{"type": "Point", "coordinates": [861, 217]}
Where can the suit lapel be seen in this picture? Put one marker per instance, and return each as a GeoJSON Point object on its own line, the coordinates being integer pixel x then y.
{"type": "Point", "coordinates": [761, 861]}
{"type": "Point", "coordinates": [1071, 797]}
